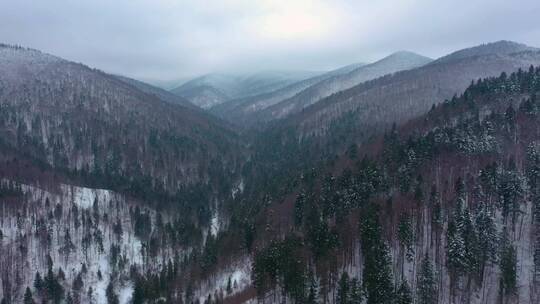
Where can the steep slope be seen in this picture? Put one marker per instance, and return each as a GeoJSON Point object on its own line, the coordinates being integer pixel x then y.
{"type": "Point", "coordinates": [240, 110]}
{"type": "Point", "coordinates": [83, 121]}
{"type": "Point", "coordinates": [158, 92]}
{"type": "Point", "coordinates": [447, 202]}
{"type": "Point", "coordinates": [213, 89]}
{"type": "Point", "coordinates": [96, 174]}
{"type": "Point", "coordinates": [396, 62]}
{"type": "Point", "coordinates": [395, 98]}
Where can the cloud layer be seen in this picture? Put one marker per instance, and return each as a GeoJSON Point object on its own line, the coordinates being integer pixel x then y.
{"type": "Point", "coordinates": [166, 40]}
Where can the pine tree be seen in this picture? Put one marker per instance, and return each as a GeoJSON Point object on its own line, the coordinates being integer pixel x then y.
{"type": "Point", "coordinates": [90, 295]}
{"type": "Point", "coordinates": [403, 294]}
{"type": "Point", "coordinates": [436, 210]}
{"type": "Point", "coordinates": [472, 248]}
{"type": "Point", "coordinates": [313, 292]}
{"type": "Point", "coordinates": [54, 289]}
{"type": "Point", "coordinates": [356, 292]}
{"type": "Point", "coordinates": [377, 275]}
{"type": "Point", "coordinates": [28, 299]}
{"type": "Point", "coordinates": [455, 242]}
{"type": "Point", "coordinates": [426, 289]}
{"type": "Point", "coordinates": [229, 286]}
{"type": "Point", "coordinates": [343, 289]}
{"type": "Point", "coordinates": [38, 282]}
{"type": "Point", "coordinates": [78, 282]}
{"type": "Point", "coordinates": [112, 297]}
{"type": "Point", "coordinates": [138, 292]}
{"type": "Point", "coordinates": [510, 190]}
{"type": "Point", "coordinates": [508, 265]}
{"type": "Point", "coordinates": [61, 274]}
{"type": "Point", "coordinates": [299, 206]}
{"type": "Point", "coordinates": [487, 236]}
{"type": "Point", "coordinates": [405, 235]}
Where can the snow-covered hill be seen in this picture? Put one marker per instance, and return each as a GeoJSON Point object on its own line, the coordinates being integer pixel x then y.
{"type": "Point", "coordinates": [87, 233]}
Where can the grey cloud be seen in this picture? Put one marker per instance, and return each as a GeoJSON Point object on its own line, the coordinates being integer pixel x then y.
{"type": "Point", "coordinates": [169, 40]}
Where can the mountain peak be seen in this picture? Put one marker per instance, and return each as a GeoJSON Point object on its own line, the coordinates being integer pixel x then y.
{"type": "Point", "coordinates": [404, 53]}
{"type": "Point", "coordinates": [404, 57]}
{"type": "Point", "coordinates": [502, 47]}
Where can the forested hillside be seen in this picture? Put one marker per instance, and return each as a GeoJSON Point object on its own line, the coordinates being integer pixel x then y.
{"type": "Point", "coordinates": [399, 61]}
{"type": "Point", "coordinates": [405, 95]}
{"type": "Point", "coordinates": [420, 186]}
{"type": "Point", "coordinates": [441, 210]}
{"type": "Point", "coordinates": [90, 166]}
{"type": "Point", "coordinates": [356, 115]}
{"type": "Point", "coordinates": [70, 117]}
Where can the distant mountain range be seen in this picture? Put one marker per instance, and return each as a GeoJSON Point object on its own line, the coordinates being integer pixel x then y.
{"type": "Point", "coordinates": [403, 95]}
{"type": "Point", "coordinates": [213, 89]}
{"type": "Point", "coordinates": [297, 96]}
{"type": "Point", "coordinates": [242, 108]}
{"type": "Point", "coordinates": [402, 75]}
{"type": "Point", "coordinates": [394, 63]}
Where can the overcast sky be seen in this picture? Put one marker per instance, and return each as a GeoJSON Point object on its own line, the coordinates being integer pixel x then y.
{"type": "Point", "coordinates": [166, 40]}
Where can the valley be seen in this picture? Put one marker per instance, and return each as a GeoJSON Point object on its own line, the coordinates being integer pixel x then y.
{"type": "Point", "coordinates": [403, 180]}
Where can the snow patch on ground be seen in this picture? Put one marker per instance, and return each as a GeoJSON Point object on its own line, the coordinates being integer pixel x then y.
{"type": "Point", "coordinates": [238, 188]}
{"type": "Point", "coordinates": [20, 229]}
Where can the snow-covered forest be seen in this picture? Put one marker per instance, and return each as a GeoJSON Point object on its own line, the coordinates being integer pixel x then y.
{"type": "Point", "coordinates": [420, 186]}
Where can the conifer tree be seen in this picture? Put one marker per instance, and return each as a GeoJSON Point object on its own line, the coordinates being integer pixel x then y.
{"type": "Point", "coordinates": [508, 265]}
{"type": "Point", "coordinates": [471, 243]}
{"type": "Point", "coordinates": [403, 294]}
{"type": "Point", "coordinates": [138, 293]}
{"type": "Point", "coordinates": [436, 210]}
{"type": "Point", "coordinates": [313, 292]}
{"type": "Point", "coordinates": [28, 299]}
{"type": "Point", "coordinates": [487, 236]}
{"type": "Point", "coordinates": [377, 275]}
{"type": "Point", "coordinates": [229, 286]}
{"type": "Point", "coordinates": [78, 283]}
{"type": "Point", "coordinates": [356, 292]}
{"type": "Point", "coordinates": [112, 297]}
{"type": "Point", "coordinates": [299, 206]}
{"type": "Point", "coordinates": [53, 288]}
{"type": "Point", "coordinates": [405, 235]}
{"type": "Point", "coordinates": [90, 294]}
{"type": "Point", "coordinates": [455, 242]}
{"type": "Point", "coordinates": [38, 282]}
{"type": "Point", "coordinates": [426, 288]}
{"type": "Point", "coordinates": [343, 289]}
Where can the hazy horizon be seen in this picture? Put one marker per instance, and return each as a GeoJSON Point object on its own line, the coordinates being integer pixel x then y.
{"type": "Point", "coordinates": [172, 41]}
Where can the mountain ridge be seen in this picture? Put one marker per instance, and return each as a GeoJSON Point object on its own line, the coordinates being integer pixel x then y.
{"type": "Point", "coordinates": [438, 80]}
{"type": "Point", "coordinates": [223, 87]}
{"type": "Point", "coordinates": [236, 109]}
{"type": "Point", "coordinates": [398, 61]}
